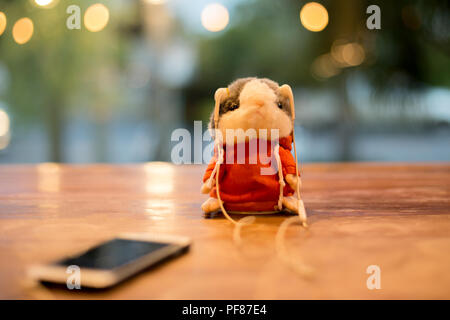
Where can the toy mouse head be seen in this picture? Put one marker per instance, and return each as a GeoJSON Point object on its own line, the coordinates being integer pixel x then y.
{"type": "Point", "coordinates": [258, 106]}
{"type": "Point", "coordinates": [254, 103]}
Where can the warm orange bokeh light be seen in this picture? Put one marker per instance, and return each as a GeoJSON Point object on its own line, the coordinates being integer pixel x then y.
{"type": "Point", "coordinates": [314, 16]}
{"type": "Point", "coordinates": [96, 17]}
{"type": "Point", "coordinates": [23, 30]}
{"type": "Point", "coordinates": [215, 17]}
{"type": "Point", "coordinates": [353, 54]}
{"type": "Point", "coordinates": [2, 22]}
{"type": "Point", "coordinates": [347, 54]}
{"type": "Point", "coordinates": [324, 67]}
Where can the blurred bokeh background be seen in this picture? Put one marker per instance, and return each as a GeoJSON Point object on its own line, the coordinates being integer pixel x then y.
{"type": "Point", "coordinates": [115, 89]}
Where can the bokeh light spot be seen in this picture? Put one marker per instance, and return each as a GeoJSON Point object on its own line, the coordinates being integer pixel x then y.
{"type": "Point", "coordinates": [43, 3]}
{"type": "Point", "coordinates": [215, 17]}
{"type": "Point", "coordinates": [2, 22]}
{"type": "Point", "coordinates": [353, 54]}
{"type": "Point", "coordinates": [96, 17]}
{"type": "Point", "coordinates": [49, 177]}
{"type": "Point", "coordinates": [347, 54]}
{"type": "Point", "coordinates": [314, 16]}
{"type": "Point", "coordinates": [160, 177]}
{"type": "Point", "coordinates": [4, 123]}
{"type": "Point", "coordinates": [23, 30]}
{"type": "Point", "coordinates": [324, 67]}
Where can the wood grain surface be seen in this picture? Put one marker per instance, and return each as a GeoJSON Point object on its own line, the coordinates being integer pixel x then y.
{"type": "Point", "coordinates": [395, 216]}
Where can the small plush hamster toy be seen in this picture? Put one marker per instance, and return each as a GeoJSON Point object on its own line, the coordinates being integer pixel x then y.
{"type": "Point", "coordinates": [239, 178]}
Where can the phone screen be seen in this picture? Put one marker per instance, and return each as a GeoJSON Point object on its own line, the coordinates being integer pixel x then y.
{"type": "Point", "coordinates": [113, 254]}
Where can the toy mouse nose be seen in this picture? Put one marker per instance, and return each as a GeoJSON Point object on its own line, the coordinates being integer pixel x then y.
{"type": "Point", "coordinates": [259, 102]}
{"type": "Point", "coordinates": [256, 93]}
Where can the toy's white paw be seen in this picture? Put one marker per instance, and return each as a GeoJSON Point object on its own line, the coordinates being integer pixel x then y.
{"type": "Point", "coordinates": [210, 205]}
{"type": "Point", "coordinates": [206, 187]}
{"type": "Point", "coordinates": [291, 203]}
{"type": "Point", "coordinates": [292, 180]}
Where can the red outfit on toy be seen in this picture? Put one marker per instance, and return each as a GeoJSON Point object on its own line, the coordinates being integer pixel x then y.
{"type": "Point", "coordinates": [249, 181]}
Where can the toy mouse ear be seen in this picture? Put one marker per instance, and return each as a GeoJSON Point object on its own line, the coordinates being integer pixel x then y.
{"type": "Point", "coordinates": [220, 94]}
{"type": "Point", "coordinates": [286, 91]}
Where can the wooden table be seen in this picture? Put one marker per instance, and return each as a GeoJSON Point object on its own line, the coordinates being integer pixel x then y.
{"type": "Point", "coordinates": [395, 216]}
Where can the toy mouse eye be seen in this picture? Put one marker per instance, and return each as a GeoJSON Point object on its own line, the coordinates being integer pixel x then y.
{"type": "Point", "coordinates": [280, 105]}
{"type": "Point", "coordinates": [234, 106]}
